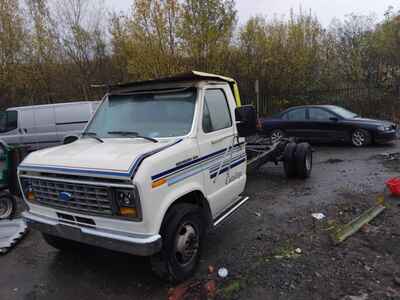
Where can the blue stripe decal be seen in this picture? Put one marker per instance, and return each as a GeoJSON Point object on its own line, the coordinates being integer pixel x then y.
{"type": "Point", "coordinates": [131, 172]}
{"type": "Point", "coordinates": [228, 168]}
{"type": "Point", "coordinates": [204, 158]}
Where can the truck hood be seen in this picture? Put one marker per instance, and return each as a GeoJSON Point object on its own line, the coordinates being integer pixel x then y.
{"type": "Point", "coordinates": [114, 157]}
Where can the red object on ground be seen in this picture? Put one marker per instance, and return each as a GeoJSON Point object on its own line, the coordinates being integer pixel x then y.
{"type": "Point", "coordinates": [394, 186]}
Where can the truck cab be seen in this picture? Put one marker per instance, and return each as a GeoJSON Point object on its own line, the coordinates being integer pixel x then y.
{"type": "Point", "coordinates": [159, 163]}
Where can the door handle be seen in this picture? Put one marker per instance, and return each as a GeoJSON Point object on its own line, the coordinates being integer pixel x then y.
{"type": "Point", "coordinates": [216, 141]}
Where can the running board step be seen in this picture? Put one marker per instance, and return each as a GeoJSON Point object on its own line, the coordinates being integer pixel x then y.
{"type": "Point", "coordinates": [228, 212]}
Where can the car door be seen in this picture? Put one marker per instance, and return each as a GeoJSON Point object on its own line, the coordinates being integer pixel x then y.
{"type": "Point", "coordinates": [224, 164]}
{"type": "Point", "coordinates": [27, 123]}
{"type": "Point", "coordinates": [324, 125]}
{"type": "Point", "coordinates": [295, 122]}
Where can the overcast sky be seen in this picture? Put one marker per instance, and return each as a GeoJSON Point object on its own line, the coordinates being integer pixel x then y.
{"type": "Point", "coordinates": [326, 10]}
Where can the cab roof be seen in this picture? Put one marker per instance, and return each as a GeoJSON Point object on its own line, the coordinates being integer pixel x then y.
{"type": "Point", "coordinates": [181, 80]}
{"type": "Point", "coordinates": [192, 76]}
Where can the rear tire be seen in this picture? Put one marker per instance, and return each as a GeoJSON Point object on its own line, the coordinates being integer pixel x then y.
{"type": "Point", "coordinates": [303, 157]}
{"type": "Point", "coordinates": [289, 161]}
{"type": "Point", "coordinates": [360, 138]}
{"type": "Point", "coordinates": [8, 206]}
{"type": "Point", "coordinates": [182, 234]}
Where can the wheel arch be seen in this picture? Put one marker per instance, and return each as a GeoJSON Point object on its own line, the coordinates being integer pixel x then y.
{"type": "Point", "coordinates": [193, 196]}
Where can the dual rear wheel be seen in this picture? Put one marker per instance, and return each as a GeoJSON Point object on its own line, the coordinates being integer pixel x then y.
{"type": "Point", "coordinates": [297, 160]}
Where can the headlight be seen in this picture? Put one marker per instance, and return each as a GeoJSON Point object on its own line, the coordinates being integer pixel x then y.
{"type": "Point", "coordinates": [384, 128]}
{"type": "Point", "coordinates": [128, 202]}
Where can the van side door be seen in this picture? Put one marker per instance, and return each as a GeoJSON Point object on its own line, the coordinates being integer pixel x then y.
{"type": "Point", "coordinates": [44, 130]}
{"type": "Point", "coordinates": [72, 118]}
{"type": "Point", "coordinates": [216, 136]}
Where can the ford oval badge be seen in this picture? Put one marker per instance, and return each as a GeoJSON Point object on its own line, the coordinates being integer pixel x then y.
{"type": "Point", "coordinates": [65, 196]}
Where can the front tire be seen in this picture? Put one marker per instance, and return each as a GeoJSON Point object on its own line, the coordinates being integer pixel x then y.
{"type": "Point", "coordinates": [360, 138]}
{"type": "Point", "coordinates": [182, 238]}
{"type": "Point", "coordinates": [8, 206]}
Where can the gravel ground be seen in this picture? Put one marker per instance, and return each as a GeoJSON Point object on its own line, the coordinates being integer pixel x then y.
{"type": "Point", "coordinates": [272, 248]}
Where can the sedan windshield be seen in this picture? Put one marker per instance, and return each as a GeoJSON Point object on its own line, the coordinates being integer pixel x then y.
{"type": "Point", "coordinates": [344, 113]}
{"type": "Point", "coordinates": [146, 115]}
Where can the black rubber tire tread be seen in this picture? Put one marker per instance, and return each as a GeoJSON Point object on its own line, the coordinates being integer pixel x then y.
{"type": "Point", "coordinates": [163, 264]}
{"type": "Point", "coordinates": [368, 138]}
{"type": "Point", "coordinates": [289, 162]}
{"type": "Point", "coordinates": [11, 198]}
{"type": "Point", "coordinates": [302, 150]}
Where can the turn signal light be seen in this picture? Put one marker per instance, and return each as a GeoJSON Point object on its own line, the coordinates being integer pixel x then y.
{"type": "Point", "coordinates": [158, 183]}
{"type": "Point", "coordinates": [30, 196]}
{"type": "Point", "coordinates": [128, 212]}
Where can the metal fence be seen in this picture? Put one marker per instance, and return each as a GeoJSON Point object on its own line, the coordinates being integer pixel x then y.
{"type": "Point", "coordinates": [366, 101]}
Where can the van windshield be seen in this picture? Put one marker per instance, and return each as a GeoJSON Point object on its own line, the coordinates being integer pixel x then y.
{"type": "Point", "coordinates": [153, 115]}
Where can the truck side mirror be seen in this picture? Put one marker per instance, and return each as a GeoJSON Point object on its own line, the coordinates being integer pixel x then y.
{"type": "Point", "coordinates": [246, 120]}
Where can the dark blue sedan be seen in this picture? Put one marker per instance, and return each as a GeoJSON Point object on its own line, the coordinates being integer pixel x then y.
{"type": "Point", "coordinates": [327, 123]}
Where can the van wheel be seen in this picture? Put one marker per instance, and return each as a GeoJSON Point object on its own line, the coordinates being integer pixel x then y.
{"type": "Point", "coordinates": [70, 140]}
{"type": "Point", "coordinates": [289, 161]}
{"type": "Point", "coordinates": [182, 237]}
{"type": "Point", "coordinates": [8, 206]}
{"type": "Point", "coordinates": [304, 161]}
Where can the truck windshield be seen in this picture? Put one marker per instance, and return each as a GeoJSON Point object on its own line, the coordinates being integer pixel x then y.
{"type": "Point", "coordinates": [8, 121]}
{"type": "Point", "coordinates": [152, 115]}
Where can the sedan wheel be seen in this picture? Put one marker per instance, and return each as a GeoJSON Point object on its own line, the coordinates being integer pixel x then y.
{"type": "Point", "coordinates": [360, 138]}
{"type": "Point", "coordinates": [276, 136]}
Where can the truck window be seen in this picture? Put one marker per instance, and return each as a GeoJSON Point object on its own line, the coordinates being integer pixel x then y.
{"type": "Point", "coordinates": [216, 114]}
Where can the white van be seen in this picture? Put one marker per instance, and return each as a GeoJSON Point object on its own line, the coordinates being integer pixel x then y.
{"type": "Point", "coordinates": [43, 126]}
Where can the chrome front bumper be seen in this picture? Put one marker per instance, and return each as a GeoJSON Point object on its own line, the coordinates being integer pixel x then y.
{"type": "Point", "coordinates": [136, 244]}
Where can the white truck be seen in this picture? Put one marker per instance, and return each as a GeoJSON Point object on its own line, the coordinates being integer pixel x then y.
{"type": "Point", "coordinates": [159, 164]}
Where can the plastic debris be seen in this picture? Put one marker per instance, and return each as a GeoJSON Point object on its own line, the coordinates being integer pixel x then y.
{"type": "Point", "coordinates": [318, 216]}
{"type": "Point", "coordinates": [11, 231]}
{"type": "Point", "coordinates": [298, 251]}
{"type": "Point", "coordinates": [223, 272]}
{"type": "Point", "coordinates": [257, 214]}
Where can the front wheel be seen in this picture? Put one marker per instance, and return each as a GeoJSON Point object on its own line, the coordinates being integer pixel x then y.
{"type": "Point", "coordinates": [8, 206]}
{"type": "Point", "coordinates": [182, 234]}
{"type": "Point", "coordinates": [360, 138]}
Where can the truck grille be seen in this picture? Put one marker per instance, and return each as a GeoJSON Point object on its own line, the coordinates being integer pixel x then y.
{"type": "Point", "coordinates": [77, 197]}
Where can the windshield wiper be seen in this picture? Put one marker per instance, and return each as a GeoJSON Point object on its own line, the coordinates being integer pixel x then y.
{"type": "Point", "coordinates": [134, 135]}
{"type": "Point", "coordinates": [93, 135]}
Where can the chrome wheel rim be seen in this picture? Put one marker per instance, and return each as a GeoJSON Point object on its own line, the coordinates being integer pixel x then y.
{"type": "Point", "coordinates": [276, 136]}
{"type": "Point", "coordinates": [6, 208]}
{"type": "Point", "coordinates": [308, 161]}
{"type": "Point", "coordinates": [358, 138]}
{"type": "Point", "coordinates": [187, 244]}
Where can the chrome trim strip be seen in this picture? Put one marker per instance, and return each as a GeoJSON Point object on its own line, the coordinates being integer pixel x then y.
{"type": "Point", "coordinates": [231, 211]}
{"type": "Point", "coordinates": [95, 183]}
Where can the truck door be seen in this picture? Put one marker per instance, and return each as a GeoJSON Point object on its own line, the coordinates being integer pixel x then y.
{"type": "Point", "coordinates": [216, 138]}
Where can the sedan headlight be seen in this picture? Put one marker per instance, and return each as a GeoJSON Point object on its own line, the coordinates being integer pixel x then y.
{"type": "Point", "coordinates": [128, 202]}
{"type": "Point", "coordinates": [384, 128]}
